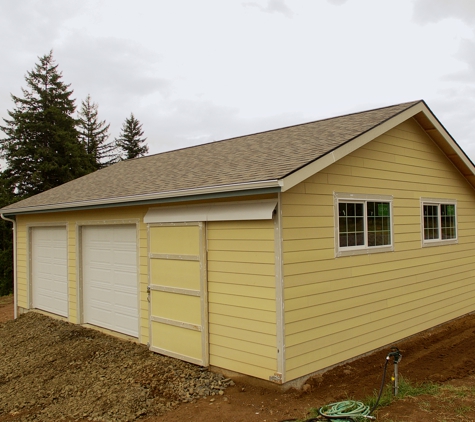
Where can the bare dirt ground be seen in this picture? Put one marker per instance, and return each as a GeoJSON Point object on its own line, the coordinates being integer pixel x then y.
{"type": "Point", "coordinates": [55, 370]}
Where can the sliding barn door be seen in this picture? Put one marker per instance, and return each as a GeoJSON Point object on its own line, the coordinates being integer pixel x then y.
{"type": "Point", "coordinates": [177, 291]}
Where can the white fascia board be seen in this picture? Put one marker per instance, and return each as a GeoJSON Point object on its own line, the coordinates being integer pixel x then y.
{"type": "Point", "coordinates": [450, 141]}
{"type": "Point", "coordinates": [304, 173]}
{"type": "Point", "coordinates": [232, 211]}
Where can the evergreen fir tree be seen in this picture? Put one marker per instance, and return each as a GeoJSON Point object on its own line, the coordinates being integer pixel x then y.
{"type": "Point", "coordinates": [130, 140]}
{"type": "Point", "coordinates": [6, 240]}
{"type": "Point", "coordinates": [42, 149]}
{"type": "Point", "coordinates": [94, 134]}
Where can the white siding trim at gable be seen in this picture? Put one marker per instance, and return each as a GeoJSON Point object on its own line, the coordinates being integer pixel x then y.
{"type": "Point", "coordinates": [450, 147]}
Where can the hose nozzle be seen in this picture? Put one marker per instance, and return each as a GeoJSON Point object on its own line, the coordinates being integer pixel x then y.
{"type": "Point", "coordinates": [394, 353]}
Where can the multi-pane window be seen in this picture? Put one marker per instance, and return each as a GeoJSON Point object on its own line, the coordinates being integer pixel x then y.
{"type": "Point", "coordinates": [363, 224]}
{"type": "Point", "coordinates": [351, 224]}
{"type": "Point", "coordinates": [439, 221]}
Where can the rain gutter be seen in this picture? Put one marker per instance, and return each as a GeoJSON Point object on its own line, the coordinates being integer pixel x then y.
{"type": "Point", "coordinates": [241, 189]}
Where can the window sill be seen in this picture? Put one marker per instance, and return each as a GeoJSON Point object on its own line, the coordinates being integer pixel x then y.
{"type": "Point", "coordinates": [428, 244]}
{"type": "Point", "coordinates": [364, 251]}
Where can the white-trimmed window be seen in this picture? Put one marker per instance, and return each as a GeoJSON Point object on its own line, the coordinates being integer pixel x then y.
{"type": "Point", "coordinates": [363, 224]}
{"type": "Point", "coordinates": [439, 221]}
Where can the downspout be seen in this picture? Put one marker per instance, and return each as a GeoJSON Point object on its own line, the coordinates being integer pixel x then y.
{"type": "Point", "coordinates": [15, 287]}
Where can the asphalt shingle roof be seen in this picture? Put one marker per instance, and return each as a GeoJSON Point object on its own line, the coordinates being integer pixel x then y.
{"type": "Point", "coordinates": [264, 156]}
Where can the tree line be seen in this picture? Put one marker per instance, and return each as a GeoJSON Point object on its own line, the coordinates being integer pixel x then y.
{"type": "Point", "coordinates": [49, 142]}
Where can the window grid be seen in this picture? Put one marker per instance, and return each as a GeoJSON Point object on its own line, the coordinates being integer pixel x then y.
{"type": "Point", "coordinates": [379, 227]}
{"type": "Point", "coordinates": [351, 220]}
{"type": "Point", "coordinates": [447, 221]}
{"type": "Point", "coordinates": [439, 222]}
{"type": "Point", "coordinates": [354, 233]}
{"type": "Point", "coordinates": [431, 222]}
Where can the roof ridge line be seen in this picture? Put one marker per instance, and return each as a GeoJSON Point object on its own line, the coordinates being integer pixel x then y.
{"type": "Point", "coordinates": [411, 103]}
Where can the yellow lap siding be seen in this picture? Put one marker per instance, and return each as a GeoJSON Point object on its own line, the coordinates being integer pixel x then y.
{"type": "Point", "coordinates": [359, 310]}
{"type": "Point", "coordinates": [181, 240]}
{"type": "Point", "coordinates": [176, 307]}
{"type": "Point", "coordinates": [235, 267]}
{"type": "Point", "coordinates": [243, 363]}
{"type": "Point", "coordinates": [184, 342]}
{"type": "Point", "coordinates": [237, 291]}
{"type": "Point", "coordinates": [337, 346]}
{"type": "Point", "coordinates": [252, 314]}
{"type": "Point", "coordinates": [232, 233]}
{"type": "Point", "coordinates": [348, 287]}
{"type": "Point", "coordinates": [258, 338]}
{"type": "Point", "coordinates": [242, 301]}
{"type": "Point", "coordinates": [176, 273]}
{"type": "Point", "coordinates": [242, 279]}
{"type": "Point", "coordinates": [22, 264]}
{"type": "Point", "coordinates": [243, 322]}
{"type": "Point", "coordinates": [337, 308]}
{"type": "Point", "coordinates": [261, 354]}
{"type": "Point", "coordinates": [240, 257]}
{"type": "Point", "coordinates": [238, 357]}
{"type": "Point", "coordinates": [257, 245]}
{"type": "Point", "coordinates": [241, 295]}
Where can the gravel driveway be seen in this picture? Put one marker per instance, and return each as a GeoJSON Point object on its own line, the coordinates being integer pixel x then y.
{"type": "Point", "coordinates": [54, 370]}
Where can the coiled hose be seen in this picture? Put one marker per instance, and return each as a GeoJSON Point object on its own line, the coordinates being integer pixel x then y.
{"type": "Point", "coordinates": [348, 410]}
{"type": "Point", "coordinates": [345, 410]}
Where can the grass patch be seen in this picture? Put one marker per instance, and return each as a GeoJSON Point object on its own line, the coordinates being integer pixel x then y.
{"type": "Point", "coordinates": [6, 300]}
{"type": "Point", "coordinates": [449, 400]}
{"type": "Point", "coordinates": [406, 389]}
{"type": "Point", "coordinates": [461, 410]}
{"type": "Point", "coordinates": [460, 392]}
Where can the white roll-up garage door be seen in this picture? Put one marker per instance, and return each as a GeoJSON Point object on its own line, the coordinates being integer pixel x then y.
{"type": "Point", "coordinates": [49, 271]}
{"type": "Point", "coordinates": [110, 280]}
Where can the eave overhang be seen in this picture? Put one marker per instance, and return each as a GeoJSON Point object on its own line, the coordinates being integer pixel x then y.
{"type": "Point", "coordinates": [241, 189]}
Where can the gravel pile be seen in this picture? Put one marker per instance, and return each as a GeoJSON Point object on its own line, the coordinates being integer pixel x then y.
{"type": "Point", "coordinates": [53, 370]}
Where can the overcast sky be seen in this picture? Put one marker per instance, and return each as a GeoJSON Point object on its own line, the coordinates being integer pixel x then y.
{"type": "Point", "coordinates": [198, 71]}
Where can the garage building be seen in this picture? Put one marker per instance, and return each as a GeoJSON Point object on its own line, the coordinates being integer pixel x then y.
{"type": "Point", "coordinates": [273, 255]}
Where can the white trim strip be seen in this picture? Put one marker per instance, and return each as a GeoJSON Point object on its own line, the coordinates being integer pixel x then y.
{"type": "Point", "coordinates": [233, 211]}
{"type": "Point", "coordinates": [177, 356]}
{"type": "Point", "coordinates": [174, 257]}
{"type": "Point", "coordinates": [176, 323]}
{"type": "Point", "coordinates": [279, 296]}
{"type": "Point", "coordinates": [178, 290]}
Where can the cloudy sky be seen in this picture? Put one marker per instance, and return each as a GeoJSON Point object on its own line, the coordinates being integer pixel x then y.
{"type": "Point", "coordinates": [197, 71]}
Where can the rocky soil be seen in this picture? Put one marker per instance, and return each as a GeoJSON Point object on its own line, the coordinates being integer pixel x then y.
{"type": "Point", "coordinates": [52, 370]}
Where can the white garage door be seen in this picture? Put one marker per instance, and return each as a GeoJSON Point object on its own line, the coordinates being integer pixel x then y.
{"type": "Point", "coordinates": [110, 277]}
{"type": "Point", "coordinates": [49, 271]}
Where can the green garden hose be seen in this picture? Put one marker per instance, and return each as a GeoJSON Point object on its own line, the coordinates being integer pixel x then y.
{"type": "Point", "coordinates": [351, 410]}
{"type": "Point", "coordinates": [342, 411]}
{"type": "Point", "coordinates": [346, 410]}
